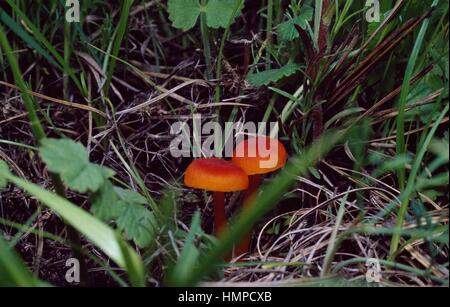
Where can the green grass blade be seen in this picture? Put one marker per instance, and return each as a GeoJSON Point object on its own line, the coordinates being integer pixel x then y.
{"type": "Point", "coordinates": [45, 43]}
{"type": "Point", "coordinates": [35, 124]}
{"type": "Point", "coordinates": [118, 38]}
{"type": "Point", "coordinates": [96, 231]}
{"type": "Point", "coordinates": [405, 197]}
{"type": "Point", "coordinates": [13, 272]}
{"type": "Point", "coordinates": [30, 41]}
{"type": "Point", "coordinates": [401, 146]}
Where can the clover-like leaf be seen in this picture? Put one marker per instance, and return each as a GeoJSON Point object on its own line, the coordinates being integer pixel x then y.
{"type": "Point", "coordinates": [286, 31]}
{"type": "Point", "coordinates": [272, 75]}
{"type": "Point", "coordinates": [135, 219]}
{"type": "Point", "coordinates": [71, 161]}
{"type": "Point", "coordinates": [184, 13]}
{"type": "Point", "coordinates": [219, 13]}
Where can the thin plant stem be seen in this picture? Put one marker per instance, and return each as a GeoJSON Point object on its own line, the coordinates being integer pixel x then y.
{"type": "Point", "coordinates": [39, 135]}
{"type": "Point", "coordinates": [249, 198]}
{"type": "Point", "coordinates": [217, 95]}
{"type": "Point", "coordinates": [401, 145]}
{"type": "Point", "coordinates": [206, 42]}
{"type": "Point", "coordinates": [269, 26]}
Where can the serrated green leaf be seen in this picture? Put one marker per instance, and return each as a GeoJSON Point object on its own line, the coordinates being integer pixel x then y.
{"type": "Point", "coordinates": [135, 219]}
{"type": "Point", "coordinates": [219, 12]}
{"type": "Point", "coordinates": [286, 31]}
{"type": "Point", "coordinates": [273, 75]}
{"type": "Point", "coordinates": [105, 203]}
{"type": "Point", "coordinates": [3, 171]}
{"type": "Point", "coordinates": [184, 13]}
{"type": "Point", "coordinates": [96, 231]}
{"type": "Point", "coordinates": [71, 161]}
{"type": "Point", "coordinates": [130, 196]}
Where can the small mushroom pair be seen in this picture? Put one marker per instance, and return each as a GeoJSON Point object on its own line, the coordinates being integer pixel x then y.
{"type": "Point", "coordinates": [252, 158]}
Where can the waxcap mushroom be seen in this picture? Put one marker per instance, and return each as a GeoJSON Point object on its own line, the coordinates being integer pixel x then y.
{"type": "Point", "coordinates": [215, 175]}
{"type": "Point", "coordinates": [256, 156]}
{"type": "Point", "coordinates": [260, 155]}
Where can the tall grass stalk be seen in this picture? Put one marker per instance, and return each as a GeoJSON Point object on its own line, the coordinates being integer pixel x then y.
{"type": "Point", "coordinates": [67, 54]}
{"type": "Point", "coordinates": [39, 134]}
{"type": "Point", "coordinates": [401, 145]}
{"type": "Point", "coordinates": [269, 26]}
{"type": "Point", "coordinates": [221, 49]}
{"type": "Point", "coordinates": [118, 39]}
{"type": "Point", "coordinates": [45, 43]}
{"type": "Point", "coordinates": [405, 197]}
{"type": "Point", "coordinates": [317, 19]}
{"type": "Point", "coordinates": [206, 42]}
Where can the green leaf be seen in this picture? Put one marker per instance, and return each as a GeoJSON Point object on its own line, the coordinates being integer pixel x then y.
{"type": "Point", "coordinates": [314, 172]}
{"type": "Point", "coordinates": [343, 114]}
{"type": "Point", "coordinates": [13, 272]}
{"type": "Point", "coordinates": [286, 31]}
{"type": "Point", "coordinates": [219, 12]}
{"type": "Point", "coordinates": [273, 75]}
{"type": "Point", "coordinates": [29, 40]}
{"type": "Point", "coordinates": [184, 13]}
{"type": "Point", "coordinates": [440, 148]}
{"type": "Point", "coordinates": [358, 140]}
{"type": "Point", "coordinates": [96, 231]}
{"type": "Point", "coordinates": [105, 203]}
{"type": "Point", "coordinates": [392, 164]}
{"type": "Point", "coordinates": [133, 264]}
{"type": "Point", "coordinates": [71, 161]}
{"type": "Point", "coordinates": [135, 219]}
{"type": "Point", "coordinates": [189, 256]}
{"type": "Point", "coordinates": [4, 170]}
{"type": "Point", "coordinates": [42, 40]}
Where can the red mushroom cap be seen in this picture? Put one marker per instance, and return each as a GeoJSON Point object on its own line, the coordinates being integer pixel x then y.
{"type": "Point", "coordinates": [260, 155]}
{"type": "Point", "coordinates": [215, 175]}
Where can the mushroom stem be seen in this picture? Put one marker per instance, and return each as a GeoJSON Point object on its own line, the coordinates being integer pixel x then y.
{"type": "Point", "coordinates": [253, 186]}
{"type": "Point", "coordinates": [220, 219]}
{"type": "Point", "coordinates": [249, 198]}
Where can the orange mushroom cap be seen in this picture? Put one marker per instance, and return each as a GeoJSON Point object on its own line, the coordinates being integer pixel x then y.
{"type": "Point", "coordinates": [215, 175]}
{"type": "Point", "coordinates": [260, 155]}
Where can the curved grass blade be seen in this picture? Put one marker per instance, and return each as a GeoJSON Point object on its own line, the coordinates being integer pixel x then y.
{"type": "Point", "coordinates": [13, 272]}
{"type": "Point", "coordinates": [96, 231]}
{"type": "Point", "coordinates": [29, 40]}
{"type": "Point", "coordinates": [45, 43]}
